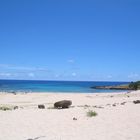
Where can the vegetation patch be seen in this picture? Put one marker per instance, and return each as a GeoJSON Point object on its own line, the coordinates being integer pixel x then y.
{"type": "Point", "coordinates": [91, 113]}
{"type": "Point", "coordinates": [130, 86]}
{"type": "Point", "coordinates": [5, 108]}
{"type": "Point", "coordinates": [134, 85]}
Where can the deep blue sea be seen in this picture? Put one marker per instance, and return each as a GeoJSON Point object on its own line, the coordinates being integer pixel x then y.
{"type": "Point", "coordinates": [54, 86]}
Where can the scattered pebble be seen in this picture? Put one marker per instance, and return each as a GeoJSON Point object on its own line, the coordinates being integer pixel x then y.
{"type": "Point", "coordinates": [114, 105]}
{"type": "Point", "coordinates": [136, 102]}
{"type": "Point", "coordinates": [41, 106]}
{"type": "Point", "coordinates": [75, 119]}
{"type": "Point", "coordinates": [15, 107]}
{"type": "Point", "coordinates": [98, 106]}
{"type": "Point", "coordinates": [123, 103]}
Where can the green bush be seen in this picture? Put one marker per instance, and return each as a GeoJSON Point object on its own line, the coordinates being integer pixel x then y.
{"type": "Point", "coordinates": [134, 85]}
{"type": "Point", "coordinates": [91, 113]}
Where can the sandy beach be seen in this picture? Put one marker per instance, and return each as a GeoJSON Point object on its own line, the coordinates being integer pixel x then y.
{"type": "Point", "coordinates": [118, 117]}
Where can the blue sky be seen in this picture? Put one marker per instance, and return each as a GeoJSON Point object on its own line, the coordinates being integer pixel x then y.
{"type": "Point", "coordinates": [70, 40]}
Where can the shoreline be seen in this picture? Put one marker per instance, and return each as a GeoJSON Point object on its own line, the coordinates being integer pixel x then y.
{"type": "Point", "coordinates": [110, 92]}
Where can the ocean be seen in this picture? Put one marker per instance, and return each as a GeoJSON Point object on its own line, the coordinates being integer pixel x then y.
{"type": "Point", "coordinates": [55, 86]}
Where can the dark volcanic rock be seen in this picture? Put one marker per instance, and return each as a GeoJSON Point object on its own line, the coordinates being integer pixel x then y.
{"type": "Point", "coordinates": [114, 104]}
{"type": "Point", "coordinates": [15, 107]}
{"type": "Point", "coordinates": [136, 102]}
{"type": "Point", "coordinates": [117, 87]}
{"type": "Point", "coordinates": [123, 103]}
{"type": "Point", "coordinates": [63, 104]}
{"type": "Point", "coordinates": [41, 106]}
{"type": "Point", "coordinates": [75, 119]}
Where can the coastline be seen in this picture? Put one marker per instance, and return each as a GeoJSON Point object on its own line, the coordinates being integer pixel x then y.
{"type": "Point", "coordinates": [55, 86]}
{"type": "Point", "coordinates": [118, 117]}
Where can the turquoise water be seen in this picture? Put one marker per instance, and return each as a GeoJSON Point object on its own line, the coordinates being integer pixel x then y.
{"type": "Point", "coordinates": [54, 86]}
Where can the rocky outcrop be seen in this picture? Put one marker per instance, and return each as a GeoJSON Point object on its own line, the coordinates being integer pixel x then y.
{"type": "Point", "coordinates": [120, 87]}
{"type": "Point", "coordinates": [130, 86]}
{"type": "Point", "coordinates": [63, 104]}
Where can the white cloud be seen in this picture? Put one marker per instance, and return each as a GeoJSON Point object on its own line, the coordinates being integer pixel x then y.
{"type": "Point", "coordinates": [71, 61]}
{"type": "Point", "coordinates": [133, 76]}
{"type": "Point", "coordinates": [5, 74]}
{"type": "Point", "coordinates": [3, 65]}
{"type": "Point", "coordinates": [74, 74]}
{"type": "Point", "coordinates": [31, 74]}
{"type": "Point", "coordinates": [57, 76]}
{"type": "Point", "coordinates": [24, 68]}
{"type": "Point", "coordinates": [109, 76]}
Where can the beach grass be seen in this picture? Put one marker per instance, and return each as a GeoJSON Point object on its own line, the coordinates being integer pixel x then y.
{"type": "Point", "coordinates": [91, 113]}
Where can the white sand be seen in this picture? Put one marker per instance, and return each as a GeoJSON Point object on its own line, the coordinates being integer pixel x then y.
{"type": "Point", "coordinates": [120, 122]}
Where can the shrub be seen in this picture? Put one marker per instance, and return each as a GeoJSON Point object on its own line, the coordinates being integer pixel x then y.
{"type": "Point", "coordinates": [134, 85]}
{"type": "Point", "coordinates": [91, 113]}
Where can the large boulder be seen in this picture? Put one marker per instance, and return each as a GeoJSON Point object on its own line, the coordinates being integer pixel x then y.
{"type": "Point", "coordinates": [63, 104]}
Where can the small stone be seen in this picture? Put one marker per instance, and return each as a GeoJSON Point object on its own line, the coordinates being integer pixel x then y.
{"type": "Point", "coordinates": [75, 119]}
{"type": "Point", "coordinates": [15, 107]}
{"type": "Point", "coordinates": [86, 106]}
{"type": "Point", "coordinates": [136, 102]}
{"type": "Point", "coordinates": [123, 103]}
{"type": "Point", "coordinates": [114, 105]}
{"type": "Point", "coordinates": [100, 107]}
{"type": "Point", "coordinates": [41, 106]}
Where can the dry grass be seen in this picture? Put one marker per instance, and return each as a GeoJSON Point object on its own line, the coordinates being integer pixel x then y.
{"type": "Point", "coordinates": [5, 108]}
